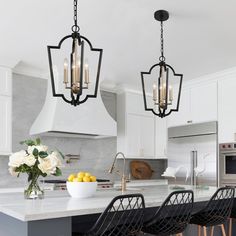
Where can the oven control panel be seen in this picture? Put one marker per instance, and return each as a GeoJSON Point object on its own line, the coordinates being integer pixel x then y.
{"type": "Point", "coordinates": [227, 146]}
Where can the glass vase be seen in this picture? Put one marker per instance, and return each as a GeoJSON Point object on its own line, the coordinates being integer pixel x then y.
{"type": "Point", "coordinates": [34, 189]}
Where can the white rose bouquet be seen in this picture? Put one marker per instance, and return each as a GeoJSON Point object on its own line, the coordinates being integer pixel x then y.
{"type": "Point", "coordinates": [36, 161]}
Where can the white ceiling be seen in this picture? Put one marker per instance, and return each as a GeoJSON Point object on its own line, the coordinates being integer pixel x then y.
{"type": "Point", "coordinates": [200, 36]}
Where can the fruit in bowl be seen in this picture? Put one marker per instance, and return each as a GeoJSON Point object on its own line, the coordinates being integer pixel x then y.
{"type": "Point", "coordinates": [81, 185]}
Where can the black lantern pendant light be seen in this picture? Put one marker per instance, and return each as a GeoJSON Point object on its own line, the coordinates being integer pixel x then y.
{"type": "Point", "coordinates": [157, 82]}
{"type": "Point", "coordinates": [72, 78]}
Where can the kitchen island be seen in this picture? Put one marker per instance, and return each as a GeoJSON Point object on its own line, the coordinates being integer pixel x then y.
{"type": "Point", "coordinates": [53, 215]}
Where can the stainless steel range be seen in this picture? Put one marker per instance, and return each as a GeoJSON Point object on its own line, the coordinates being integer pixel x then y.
{"type": "Point", "coordinates": [227, 164]}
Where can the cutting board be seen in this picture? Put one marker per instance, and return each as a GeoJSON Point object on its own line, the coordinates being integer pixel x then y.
{"type": "Point", "coordinates": [141, 170]}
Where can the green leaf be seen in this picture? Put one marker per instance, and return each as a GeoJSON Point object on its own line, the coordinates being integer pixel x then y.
{"type": "Point", "coordinates": [35, 152]}
{"type": "Point", "coordinates": [62, 156]}
{"type": "Point", "coordinates": [38, 141]}
{"type": "Point", "coordinates": [58, 172]}
{"type": "Point", "coordinates": [44, 174]}
{"type": "Point", "coordinates": [28, 142]}
{"type": "Point", "coordinates": [42, 154]}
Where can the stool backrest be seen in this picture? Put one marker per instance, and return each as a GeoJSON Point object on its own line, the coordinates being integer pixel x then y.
{"type": "Point", "coordinates": [220, 205]}
{"type": "Point", "coordinates": [174, 214]}
{"type": "Point", "coordinates": [123, 216]}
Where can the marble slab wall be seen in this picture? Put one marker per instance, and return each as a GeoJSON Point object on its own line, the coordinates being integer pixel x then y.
{"type": "Point", "coordinates": [96, 156]}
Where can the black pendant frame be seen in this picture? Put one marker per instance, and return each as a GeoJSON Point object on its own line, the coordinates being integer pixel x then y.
{"type": "Point", "coordinates": [75, 100]}
{"type": "Point", "coordinates": [162, 112]}
{"type": "Point", "coordinates": [161, 16]}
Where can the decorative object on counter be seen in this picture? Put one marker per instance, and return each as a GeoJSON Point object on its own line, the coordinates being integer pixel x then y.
{"type": "Point", "coordinates": [123, 177]}
{"type": "Point", "coordinates": [141, 170]}
{"type": "Point", "coordinates": [171, 172]}
{"type": "Point", "coordinates": [36, 161]}
{"type": "Point", "coordinates": [81, 185]}
{"type": "Point", "coordinates": [76, 75]}
{"type": "Point", "coordinates": [199, 171]}
{"type": "Point", "coordinates": [164, 102]}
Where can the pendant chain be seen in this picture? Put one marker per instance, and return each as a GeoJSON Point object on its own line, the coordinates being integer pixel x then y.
{"type": "Point", "coordinates": [75, 27]}
{"type": "Point", "coordinates": [162, 58]}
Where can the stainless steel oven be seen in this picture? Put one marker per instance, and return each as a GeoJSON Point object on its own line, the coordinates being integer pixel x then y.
{"type": "Point", "coordinates": [227, 164]}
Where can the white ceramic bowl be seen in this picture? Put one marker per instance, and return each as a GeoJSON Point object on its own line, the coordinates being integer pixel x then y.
{"type": "Point", "coordinates": [81, 189]}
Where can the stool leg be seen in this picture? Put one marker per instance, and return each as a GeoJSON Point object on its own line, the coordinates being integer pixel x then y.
{"type": "Point", "coordinates": [223, 230]}
{"type": "Point", "coordinates": [199, 229]}
{"type": "Point", "coordinates": [205, 231]}
{"type": "Point", "coordinates": [212, 230]}
{"type": "Point", "coordinates": [230, 226]}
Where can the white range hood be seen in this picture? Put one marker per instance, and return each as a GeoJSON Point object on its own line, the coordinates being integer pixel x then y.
{"type": "Point", "coordinates": [88, 120]}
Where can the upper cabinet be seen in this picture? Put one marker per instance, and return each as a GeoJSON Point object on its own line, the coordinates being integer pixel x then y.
{"type": "Point", "coordinates": [139, 135]}
{"type": "Point", "coordinates": [227, 110]}
{"type": "Point", "coordinates": [5, 125]}
{"type": "Point", "coordinates": [181, 117]}
{"type": "Point", "coordinates": [204, 102]}
{"type": "Point", "coordinates": [198, 104]}
{"type": "Point", "coordinates": [5, 111]}
{"type": "Point", "coordinates": [5, 81]}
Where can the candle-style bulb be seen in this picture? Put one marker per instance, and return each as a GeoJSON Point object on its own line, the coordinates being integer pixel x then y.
{"type": "Point", "coordinates": [86, 73]}
{"type": "Point", "coordinates": [171, 93]}
{"type": "Point", "coordinates": [65, 71]}
{"type": "Point", "coordinates": [154, 89]}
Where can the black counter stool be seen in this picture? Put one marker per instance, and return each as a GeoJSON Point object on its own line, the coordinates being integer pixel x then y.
{"type": "Point", "coordinates": [122, 217]}
{"type": "Point", "coordinates": [232, 216]}
{"type": "Point", "coordinates": [173, 216]}
{"type": "Point", "coordinates": [216, 212]}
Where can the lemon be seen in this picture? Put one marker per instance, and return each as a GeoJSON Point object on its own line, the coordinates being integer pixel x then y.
{"type": "Point", "coordinates": [87, 174]}
{"type": "Point", "coordinates": [71, 178]}
{"type": "Point", "coordinates": [75, 180]}
{"type": "Point", "coordinates": [80, 179]}
{"type": "Point", "coordinates": [93, 178]}
{"type": "Point", "coordinates": [81, 175]}
{"type": "Point", "coordinates": [86, 179]}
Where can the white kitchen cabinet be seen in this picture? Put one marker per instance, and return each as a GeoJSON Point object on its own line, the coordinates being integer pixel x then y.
{"type": "Point", "coordinates": [140, 136]}
{"type": "Point", "coordinates": [204, 103]}
{"type": "Point", "coordinates": [5, 125]}
{"type": "Point", "coordinates": [198, 103]}
{"type": "Point", "coordinates": [181, 117]}
{"type": "Point", "coordinates": [227, 109]}
{"type": "Point", "coordinates": [137, 134]}
{"type": "Point", "coordinates": [5, 111]}
{"type": "Point", "coordinates": [161, 138]}
{"type": "Point", "coordinates": [5, 81]}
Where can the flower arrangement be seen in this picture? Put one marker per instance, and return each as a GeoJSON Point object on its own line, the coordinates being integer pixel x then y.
{"type": "Point", "coordinates": [35, 161]}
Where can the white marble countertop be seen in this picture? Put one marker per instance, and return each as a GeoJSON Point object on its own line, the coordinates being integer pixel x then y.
{"type": "Point", "coordinates": [59, 204]}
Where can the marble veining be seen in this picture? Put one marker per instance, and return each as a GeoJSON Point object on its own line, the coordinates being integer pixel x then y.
{"type": "Point", "coordinates": [58, 203]}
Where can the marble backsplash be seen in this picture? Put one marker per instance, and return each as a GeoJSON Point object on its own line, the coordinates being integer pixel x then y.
{"type": "Point", "coordinates": [96, 155]}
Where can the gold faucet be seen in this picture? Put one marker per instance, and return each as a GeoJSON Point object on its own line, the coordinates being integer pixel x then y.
{"type": "Point", "coordinates": [123, 177]}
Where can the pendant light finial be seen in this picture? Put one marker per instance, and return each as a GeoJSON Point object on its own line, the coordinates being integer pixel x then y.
{"type": "Point", "coordinates": [161, 15]}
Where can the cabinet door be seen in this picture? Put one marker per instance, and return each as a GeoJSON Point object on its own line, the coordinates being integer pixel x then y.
{"type": "Point", "coordinates": [204, 103]}
{"type": "Point", "coordinates": [133, 134]}
{"type": "Point", "coordinates": [161, 137]}
{"type": "Point", "coordinates": [147, 139]}
{"type": "Point", "coordinates": [227, 109]}
{"type": "Point", "coordinates": [5, 81]}
{"type": "Point", "coordinates": [140, 136]}
{"type": "Point", "coordinates": [5, 125]}
{"type": "Point", "coordinates": [183, 116]}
